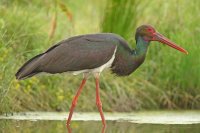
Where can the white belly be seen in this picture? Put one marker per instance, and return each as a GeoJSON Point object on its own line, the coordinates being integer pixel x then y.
{"type": "Point", "coordinates": [98, 69]}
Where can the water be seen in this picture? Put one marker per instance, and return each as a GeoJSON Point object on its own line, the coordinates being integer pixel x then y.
{"type": "Point", "coordinates": [136, 122]}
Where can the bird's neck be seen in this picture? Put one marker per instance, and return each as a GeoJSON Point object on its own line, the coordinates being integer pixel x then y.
{"type": "Point", "coordinates": [141, 47]}
{"type": "Point", "coordinates": [127, 63]}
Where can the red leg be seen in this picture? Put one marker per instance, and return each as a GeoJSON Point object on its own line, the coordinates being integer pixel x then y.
{"type": "Point", "coordinates": [69, 129]}
{"type": "Point", "coordinates": [74, 102]}
{"type": "Point", "coordinates": [98, 100]}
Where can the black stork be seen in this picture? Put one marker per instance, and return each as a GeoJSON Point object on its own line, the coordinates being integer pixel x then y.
{"type": "Point", "coordinates": [91, 54]}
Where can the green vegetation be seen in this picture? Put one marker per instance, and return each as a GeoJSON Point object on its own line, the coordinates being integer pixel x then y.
{"type": "Point", "coordinates": [167, 80]}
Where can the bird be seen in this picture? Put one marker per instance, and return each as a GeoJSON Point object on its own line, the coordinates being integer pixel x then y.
{"type": "Point", "coordinates": [90, 54]}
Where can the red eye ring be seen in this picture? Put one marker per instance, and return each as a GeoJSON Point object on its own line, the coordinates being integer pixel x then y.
{"type": "Point", "coordinates": [150, 30]}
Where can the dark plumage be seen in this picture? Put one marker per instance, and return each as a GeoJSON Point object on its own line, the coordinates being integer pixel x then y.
{"type": "Point", "coordinates": [91, 54]}
{"type": "Point", "coordinates": [79, 53]}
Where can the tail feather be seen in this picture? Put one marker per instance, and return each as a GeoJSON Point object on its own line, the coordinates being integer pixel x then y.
{"type": "Point", "coordinates": [29, 69]}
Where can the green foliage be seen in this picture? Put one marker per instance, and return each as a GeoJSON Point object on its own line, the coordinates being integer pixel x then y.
{"type": "Point", "coordinates": [176, 76]}
{"type": "Point", "coordinates": [167, 79]}
{"type": "Point", "coordinates": [120, 17]}
{"type": "Point", "coordinates": [24, 29]}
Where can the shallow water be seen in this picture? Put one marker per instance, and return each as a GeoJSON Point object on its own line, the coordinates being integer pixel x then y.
{"type": "Point", "coordinates": [136, 122]}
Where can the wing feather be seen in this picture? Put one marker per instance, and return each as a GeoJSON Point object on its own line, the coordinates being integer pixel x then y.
{"type": "Point", "coordinates": [77, 53]}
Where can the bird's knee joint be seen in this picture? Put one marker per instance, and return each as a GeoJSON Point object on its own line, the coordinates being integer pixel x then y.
{"type": "Point", "coordinates": [74, 103]}
{"type": "Point", "coordinates": [99, 104]}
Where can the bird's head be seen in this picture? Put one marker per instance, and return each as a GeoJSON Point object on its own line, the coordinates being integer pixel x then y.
{"type": "Point", "coordinates": [148, 33]}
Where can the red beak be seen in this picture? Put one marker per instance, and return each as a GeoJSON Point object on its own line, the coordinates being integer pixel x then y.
{"type": "Point", "coordinates": [160, 38]}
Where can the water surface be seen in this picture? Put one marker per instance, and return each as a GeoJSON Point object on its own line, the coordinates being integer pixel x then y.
{"type": "Point", "coordinates": [137, 122]}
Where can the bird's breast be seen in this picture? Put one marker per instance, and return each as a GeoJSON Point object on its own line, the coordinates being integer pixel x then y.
{"type": "Point", "coordinates": [125, 64]}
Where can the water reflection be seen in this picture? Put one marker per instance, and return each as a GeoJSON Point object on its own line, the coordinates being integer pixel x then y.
{"type": "Point", "coordinates": [14, 126]}
{"type": "Point", "coordinates": [69, 129]}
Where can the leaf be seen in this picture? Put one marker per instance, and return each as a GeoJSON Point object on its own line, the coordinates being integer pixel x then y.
{"type": "Point", "coordinates": [64, 8]}
{"type": "Point", "coordinates": [53, 26]}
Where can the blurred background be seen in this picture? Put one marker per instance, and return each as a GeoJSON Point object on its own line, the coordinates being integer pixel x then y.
{"type": "Point", "coordinates": [167, 80]}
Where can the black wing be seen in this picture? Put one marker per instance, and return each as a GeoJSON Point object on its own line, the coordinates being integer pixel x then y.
{"type": "Point", "coordinates": [73, 54]}
{"type": "Point", "coordinates": [77, 53]}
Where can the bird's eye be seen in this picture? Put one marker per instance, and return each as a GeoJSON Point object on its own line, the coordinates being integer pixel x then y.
{"type": "Point", "coordinates": [150, 30]}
